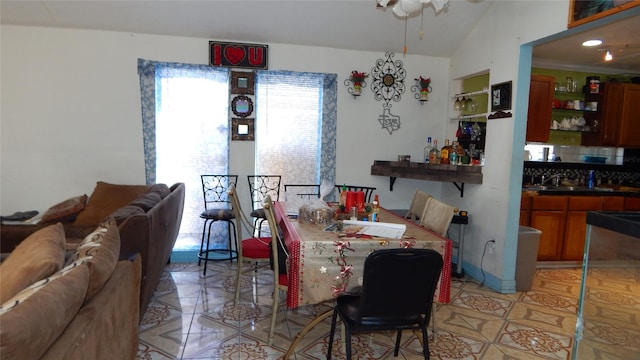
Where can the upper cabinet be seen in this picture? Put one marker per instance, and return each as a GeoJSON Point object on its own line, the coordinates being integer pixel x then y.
{"type": "Point", "coordinates": [629, 135]}
{"type": "Point", "coordinates": [539, 114]}
{"type": "Point", "coordinates": [618, 115]}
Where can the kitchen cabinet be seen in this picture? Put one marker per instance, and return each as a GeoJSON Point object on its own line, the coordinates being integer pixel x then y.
{"type": "Point", "coordinates": [548, 214]}
{"type": "Point", "coordinates": [562, 220]}
{"type": "Point", "coordinates": [617, 116]}
{"type": "Point", "coordinates": [576, 225]}
{"type": "Point", "coordinates": [605, 131]}
{"type": "Point", "coordinates": [629, 136]}
{"type": "Point", "coordinates": [525, 209]}
{"type": "Point", "coordinates": [632, 204]}
{"type": "Point", "coordinates": [541, 91]}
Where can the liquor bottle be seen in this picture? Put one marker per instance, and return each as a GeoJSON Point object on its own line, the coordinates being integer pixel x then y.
{"type": "Point", "coordinates": [427, 149]}
{"type": "Point", "coordinates": [453, 154]}
{"type": "Point", "coordinates": [445, 151]}
{"type": "Point", "coordinates": [434, 154]}
{"type": "Point", "coordinates": [375, 209]}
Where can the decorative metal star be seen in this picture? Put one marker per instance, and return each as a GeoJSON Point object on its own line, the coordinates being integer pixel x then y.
{"type": "Point", "coordinates": [389, 121]}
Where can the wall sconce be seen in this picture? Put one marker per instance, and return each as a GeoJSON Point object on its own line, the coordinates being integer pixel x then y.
{"type": "Point", "coordinates": [356, 82]}
{"type": "Point", "coordinates": [421, 89]}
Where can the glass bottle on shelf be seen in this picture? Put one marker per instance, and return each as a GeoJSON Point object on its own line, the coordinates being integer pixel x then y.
{"type": "Point", "coordinates": [444, 152]}
{"type": "Point", "coordinates": [434, 154]}
{"type": "Point", "coordinates": [427, 150]}
{"type": "Point", "coordinates": [453, 153]}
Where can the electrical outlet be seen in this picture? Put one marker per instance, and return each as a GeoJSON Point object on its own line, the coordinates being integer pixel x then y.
{"type": "Point", "coordinates": [491, 246]}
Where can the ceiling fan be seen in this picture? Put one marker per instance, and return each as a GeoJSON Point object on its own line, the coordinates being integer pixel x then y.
{"type": "Point", "coordinates": [406, 8]}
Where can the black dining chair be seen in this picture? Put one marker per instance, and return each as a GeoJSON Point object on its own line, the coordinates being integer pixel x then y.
{"type": "Point", "coordinates": [260, 187]}
{"type": "Point", "coordinates": [303, 191]}
{"type": "Point", "coordinates": [397, 294]}
{"type": "Point", "coordinates": [217, 207]}
{"type": "Point", "coordinates": [368, 191]}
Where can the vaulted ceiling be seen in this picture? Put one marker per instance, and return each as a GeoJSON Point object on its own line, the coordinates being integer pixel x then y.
{"type": "Point", "coordinates": [346, 24]}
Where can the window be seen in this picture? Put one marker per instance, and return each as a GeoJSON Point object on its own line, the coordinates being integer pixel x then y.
{"type": "Point", "coordinates": [295, 126]}
{"type": "Point", "coordinates": [188, 135]}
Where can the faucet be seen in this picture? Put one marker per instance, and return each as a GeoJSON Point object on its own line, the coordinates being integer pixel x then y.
{"type": "Point", "coordinates": [556, 179]}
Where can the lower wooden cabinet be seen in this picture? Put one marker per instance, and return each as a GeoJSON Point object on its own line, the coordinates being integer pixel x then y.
{"type": "Point", "coordinates": [632, 204]}
{"type": "Point", "coordinates": [576, 225]}
{"type": "Point", "coordinates": [548, 214]}
{"type": "Point", "coordinates": [563, 221]}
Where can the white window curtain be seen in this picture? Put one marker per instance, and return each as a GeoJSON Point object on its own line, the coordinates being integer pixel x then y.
{"type": "Point", "coordinates": [186, 134]}
{"type": "Point", "coordinates": [296, 126]}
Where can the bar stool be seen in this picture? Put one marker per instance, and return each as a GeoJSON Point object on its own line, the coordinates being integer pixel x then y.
{"type": "Point", "coordinates": [260, 187]}
{"type": "Point", "coordinates": [217, 207]}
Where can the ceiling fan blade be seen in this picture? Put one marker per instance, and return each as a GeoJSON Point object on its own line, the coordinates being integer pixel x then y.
{"type": "Point", "coordinates": [385, 3]}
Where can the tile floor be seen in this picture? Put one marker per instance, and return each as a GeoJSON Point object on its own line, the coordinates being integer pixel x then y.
{"type": "Point", "coordinates": [192, 317]}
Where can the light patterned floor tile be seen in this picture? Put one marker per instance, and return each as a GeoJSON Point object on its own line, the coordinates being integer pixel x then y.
{"type": "Point", "coordinates": [193, 316]}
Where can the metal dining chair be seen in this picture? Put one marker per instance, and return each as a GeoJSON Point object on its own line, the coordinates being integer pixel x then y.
{"type": "Point", "coordinates": [389, 299]}
{"type": "Point", "coordinates": [280, 278]}
{"type": "Point", "coordinates": [252, 249]}
{"type": "Point", "coordinates": [419, 203]}
{"type": "Point", "coordinates": [261, 186]}
{"type": "Point", "coordinates": [368, 191]}
{"type": "Point", "coordinates": [216, 208]}
{"type": "Point", "coordinates": [303, 191]}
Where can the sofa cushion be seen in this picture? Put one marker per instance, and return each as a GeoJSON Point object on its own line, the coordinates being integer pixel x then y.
{"type": "Point", "coordinates": [126, 212]}
{"type": "Point", "coordinates": [38, 256]}
{"type": "Point", "coordinates": [64, 211]}
{"type": "Point", "coordinates": [146, 201]}
{"type": "Point", "coordinates": [100, 250]}
{"type": "Point", "coordinates": [107, 198]}
{"type": "Point", "coordinates": [33, 319]}
{"type": "Point", "coordinates": [160, 189]}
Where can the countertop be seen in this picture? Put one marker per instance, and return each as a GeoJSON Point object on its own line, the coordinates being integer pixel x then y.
{"type": "Point", "coordinates": [602, 190]}
{"type": "Point", "coordinates": [625, 222]}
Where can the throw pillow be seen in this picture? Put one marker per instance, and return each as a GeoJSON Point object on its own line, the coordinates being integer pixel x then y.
{"type": "Point", "coordinates": [32, 320]}
{"type": "Point", "coordinates": [64, 211]}
{"type": "Point", "coordinates": [107, 198]}
{"type": "Point", "coordinates": [36, 257]}
{"type": "Point", "coordinates": [100, 250]}
{"type": "Point", "coordinates": [126, 212]}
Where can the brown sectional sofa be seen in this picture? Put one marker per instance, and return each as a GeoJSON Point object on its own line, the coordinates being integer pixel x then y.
{"type": "Point", "coordinates": [148, 219]}
{"type": "Point", "coordinates": [82, 306]}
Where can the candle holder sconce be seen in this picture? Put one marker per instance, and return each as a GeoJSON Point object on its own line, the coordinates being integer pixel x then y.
{"type": "Point", "coordinates": [421, 89]}
{"type": "Point", "coordinates": [355, 83]}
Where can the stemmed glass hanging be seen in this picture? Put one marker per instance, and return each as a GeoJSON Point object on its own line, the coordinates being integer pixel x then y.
{"type": "Point", "coordinates": [457, 106]}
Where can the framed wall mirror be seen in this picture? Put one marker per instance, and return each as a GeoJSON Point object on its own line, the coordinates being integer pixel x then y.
{"type": "Point", "coordinates": [242, 129]}
{"type": "Point", "coordinates": [242, 106]}
{"type": "Point", "coordinates": [242, 82]}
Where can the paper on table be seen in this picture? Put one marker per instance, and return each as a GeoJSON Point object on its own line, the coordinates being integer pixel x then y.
{"type": "Point", "coordinates": [381, 229]}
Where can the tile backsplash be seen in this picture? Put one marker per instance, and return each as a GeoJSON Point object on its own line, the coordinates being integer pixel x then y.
{"type": "Point", "coordinates": [576, 154]}
{"type": "Point", "coordinates": [570, 162]}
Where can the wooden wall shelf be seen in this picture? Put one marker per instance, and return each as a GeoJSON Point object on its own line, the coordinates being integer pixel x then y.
{"type": "Point", "coordinates": [434, 172]}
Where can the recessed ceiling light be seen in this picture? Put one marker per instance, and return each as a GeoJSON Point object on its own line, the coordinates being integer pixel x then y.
{"type": "Point", "coordinates": [608, 56]}
{"type": "Point", "coordinates": [593, 42]}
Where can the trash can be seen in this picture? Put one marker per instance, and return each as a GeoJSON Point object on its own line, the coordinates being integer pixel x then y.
{"type": "Point", "coordinates": [526, 258]}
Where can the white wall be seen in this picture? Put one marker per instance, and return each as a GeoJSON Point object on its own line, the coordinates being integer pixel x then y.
{"type": "Point", "coordinates": [494, 206]}
{"type": "Point", "coordinates": [70, 112]}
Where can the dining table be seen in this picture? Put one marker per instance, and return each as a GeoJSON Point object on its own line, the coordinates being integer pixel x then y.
{"type": "Point", "coordinates": [323, 262]}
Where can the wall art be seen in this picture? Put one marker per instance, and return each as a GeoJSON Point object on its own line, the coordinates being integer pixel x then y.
{"type": "Point", "coordinates": [501, 96]}
{"type": "Point", "coordinates": [242, 82]}
{"type": "Point", "coordinates": [584, 11]}
{"type": "Point", "coordinates": [242, 106]}
{"type": "Point", "coordinates": [387, 84]}
{"type": "Point", "coordinates": [242, 129]}
{"type": "Point", "coordinates": [238, 55]}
